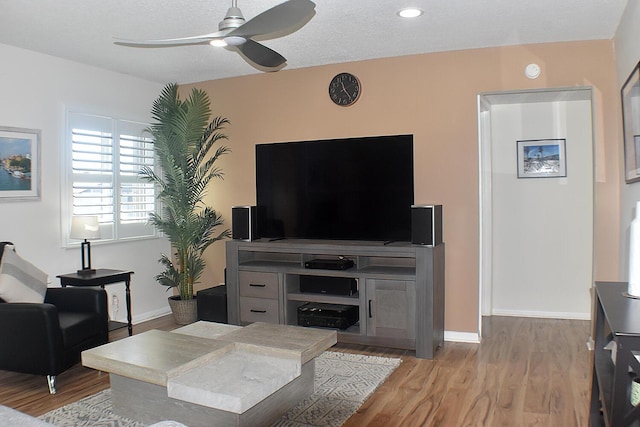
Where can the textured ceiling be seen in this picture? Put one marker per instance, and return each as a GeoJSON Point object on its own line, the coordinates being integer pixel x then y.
{"type": "Point", "coordinates": [341, 31]}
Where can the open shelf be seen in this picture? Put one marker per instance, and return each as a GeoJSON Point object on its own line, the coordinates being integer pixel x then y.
{"type": "Point", "coordinates": [377, 259]}
{"type": "Point", "coordinates": [406, 273]}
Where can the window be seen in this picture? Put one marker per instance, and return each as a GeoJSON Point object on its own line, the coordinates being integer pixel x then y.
{"type": "Point", "coordinates": [105, 157]}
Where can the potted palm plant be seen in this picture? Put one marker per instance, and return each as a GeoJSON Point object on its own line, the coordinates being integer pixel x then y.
{"type": "Point", "coordinates": [184, 138]}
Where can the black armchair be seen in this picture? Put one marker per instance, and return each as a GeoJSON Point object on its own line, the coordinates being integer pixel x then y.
{"type": "Point", "coordinates": [46, 339]}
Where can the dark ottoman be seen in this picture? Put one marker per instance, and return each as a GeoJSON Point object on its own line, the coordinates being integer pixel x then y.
{"type": "Point", "coordinates": [212, 304]}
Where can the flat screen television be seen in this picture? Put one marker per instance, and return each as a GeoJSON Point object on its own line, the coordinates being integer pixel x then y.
{"type": "Point", "coordinates": [338, 189]}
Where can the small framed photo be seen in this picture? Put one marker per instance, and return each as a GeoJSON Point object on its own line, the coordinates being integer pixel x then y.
{"type": "Point", "coordinates": [630, 95]}
{"type": "Point", "coordinates": [542, 158]}
{"type": "Point", "coordinates": [19, 164]}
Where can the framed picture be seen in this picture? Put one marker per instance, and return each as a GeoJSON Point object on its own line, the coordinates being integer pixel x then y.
{"type": "Point", "coordinates": [19, 164]}
{"type": "Point", "coordinates": [542, 158]}
{"type": "Point", "coordinates": [630, 95]}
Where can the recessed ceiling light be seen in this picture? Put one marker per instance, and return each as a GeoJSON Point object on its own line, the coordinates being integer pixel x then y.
{"type": "Point", "coordinates": [410, 12]}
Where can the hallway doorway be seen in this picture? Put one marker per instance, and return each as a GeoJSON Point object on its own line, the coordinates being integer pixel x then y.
{"type": "Point", "coordinates": [536, 231]}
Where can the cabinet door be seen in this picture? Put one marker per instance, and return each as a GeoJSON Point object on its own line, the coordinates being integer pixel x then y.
{"type": "Point", "coordinates": [391, 308]}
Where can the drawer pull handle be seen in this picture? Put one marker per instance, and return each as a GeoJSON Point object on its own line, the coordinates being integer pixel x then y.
{"type": "Point", "coordinates": [258, 311]}
{"type": "Point", "coordinates": [257, 285]}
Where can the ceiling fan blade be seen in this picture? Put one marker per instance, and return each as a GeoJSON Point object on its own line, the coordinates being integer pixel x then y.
{"type": "Point", "coordinates": [261, 55]}
{"type": "Point", "coordinates": [290, 15]}
{"type": "Point", "coordinates": [184, 41]}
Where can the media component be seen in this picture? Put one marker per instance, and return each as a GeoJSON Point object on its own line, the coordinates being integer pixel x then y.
{"type": "Point", "coordinates": [329, 264]}
{"type": "Point", "coordinates": [328, 285]}
{"type": "Point", "coordinates": [426, 225]}
{"type": "Point", "coordinates": [244, 223]}
{"type": "Point", "coordinates": [328, 315]}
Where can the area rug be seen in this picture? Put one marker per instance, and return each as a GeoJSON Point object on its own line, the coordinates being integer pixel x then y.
{"type": "Point", "coordinates": [342, 383]}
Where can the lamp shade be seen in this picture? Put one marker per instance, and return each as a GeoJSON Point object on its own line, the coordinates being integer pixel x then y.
{"type": "Point", "coordinates": [85, 227]}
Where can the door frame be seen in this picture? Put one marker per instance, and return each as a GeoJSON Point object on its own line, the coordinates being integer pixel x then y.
{"type": "Point", "coordinates": [484, 102]}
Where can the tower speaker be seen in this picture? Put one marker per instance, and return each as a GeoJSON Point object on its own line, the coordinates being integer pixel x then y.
{"type": "Point", "coordinates": [426, 225]}
{"type": "Point", "coordinates": [244, 223]}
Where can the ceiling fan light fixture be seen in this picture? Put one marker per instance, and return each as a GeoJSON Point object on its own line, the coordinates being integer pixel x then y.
{"type": "Point", "coordinates": [218, 43]}
{"type": "Point", "coordinates": [234, 40]}
{"type": "Point", "coordinates": [410, 12]}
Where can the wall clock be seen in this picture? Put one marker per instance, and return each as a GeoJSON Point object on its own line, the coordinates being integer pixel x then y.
{"type": "Point", "coordinates": [344, 89]}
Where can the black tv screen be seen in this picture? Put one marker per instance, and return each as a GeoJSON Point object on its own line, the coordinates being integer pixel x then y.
{"type": "Point", "coordinates": [342, 189]}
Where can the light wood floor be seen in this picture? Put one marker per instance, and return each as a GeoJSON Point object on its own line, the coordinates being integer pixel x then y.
{"type": "Point", "coordinates": [526, 372]}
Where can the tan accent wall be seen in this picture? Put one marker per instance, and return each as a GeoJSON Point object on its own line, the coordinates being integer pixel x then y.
{"type": "Point", "coordinates": [434, 97]}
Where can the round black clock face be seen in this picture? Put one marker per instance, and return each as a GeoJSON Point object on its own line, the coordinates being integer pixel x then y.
{"type": "Point", "coordinates": [344, 89]}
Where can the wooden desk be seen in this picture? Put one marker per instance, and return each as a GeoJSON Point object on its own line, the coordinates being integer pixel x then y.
{"type": "Point", "coordinates": [102, 277]}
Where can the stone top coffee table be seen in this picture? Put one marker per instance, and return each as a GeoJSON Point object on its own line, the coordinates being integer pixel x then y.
{"type": "Point", "coordinates": [211, 374]}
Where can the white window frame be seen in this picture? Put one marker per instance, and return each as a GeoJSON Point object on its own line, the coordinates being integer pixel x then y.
{"type": "Point", "coordinates": [102, 164]}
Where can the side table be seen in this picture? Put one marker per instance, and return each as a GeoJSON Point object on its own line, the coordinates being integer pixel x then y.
{"type": "Point", "coordinates": [102, 277]}
{"type": "Point", "coordinates": [617, 318]}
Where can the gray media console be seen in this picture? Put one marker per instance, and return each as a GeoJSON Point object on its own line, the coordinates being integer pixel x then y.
{"type": "Point", "coordinates": [400, 288]}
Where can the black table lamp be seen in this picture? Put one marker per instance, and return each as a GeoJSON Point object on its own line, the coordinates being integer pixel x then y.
{"type": "Point", "coordinates": [84, 228]}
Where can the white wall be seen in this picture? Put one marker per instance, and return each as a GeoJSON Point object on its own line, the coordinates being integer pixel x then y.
{"type": "Point", "coordinates": [542, 228]}
{"type": "Point", "coordinates": [35, 92]}
{"type": "Point", "coordinates": [627, 52]}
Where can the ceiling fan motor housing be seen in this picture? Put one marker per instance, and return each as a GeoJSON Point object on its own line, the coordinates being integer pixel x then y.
{"type": "Point", "coordinates": [233, 19]}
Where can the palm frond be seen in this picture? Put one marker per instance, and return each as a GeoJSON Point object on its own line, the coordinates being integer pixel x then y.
{"type": "Point", "coordinates": [184, 137]}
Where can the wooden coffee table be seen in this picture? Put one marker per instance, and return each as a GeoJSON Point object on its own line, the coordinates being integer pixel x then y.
{"type": "Point", "coordinates": [211, 374]}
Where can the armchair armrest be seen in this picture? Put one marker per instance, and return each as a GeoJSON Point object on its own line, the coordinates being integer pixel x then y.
{"type": "Point", "coordinates": [78, 299]}
{"type": "Point", "coordinates": [31, 338]}
{"type": "Point", "coordinates": [82, 300]}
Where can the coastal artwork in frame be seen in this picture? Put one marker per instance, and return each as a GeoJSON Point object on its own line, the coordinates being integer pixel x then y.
{"type": "Point", "coordinates": [542, 158]}
{"type": "Point", "coordinates": [19, 164]}
{"type": "Point", "coordinates": [630, 95]}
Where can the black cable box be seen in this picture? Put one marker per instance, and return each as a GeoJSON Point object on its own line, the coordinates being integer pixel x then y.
{"type": "Point", "coordinates": [329, 264]}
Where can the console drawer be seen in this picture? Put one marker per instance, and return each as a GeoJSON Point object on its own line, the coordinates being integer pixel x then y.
{"type": "Point", "coordinates": [258, 310]}
{"type": "Point", "coordinates": [257, 284]}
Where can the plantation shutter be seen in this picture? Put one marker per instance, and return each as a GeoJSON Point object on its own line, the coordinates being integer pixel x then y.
{"type": "Point", "coordinates": [136, 197]}
{"type": "Point", "coordinates": [106, 156]}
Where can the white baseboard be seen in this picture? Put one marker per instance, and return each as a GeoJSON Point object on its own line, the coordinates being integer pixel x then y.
{"type": "Point", "coordinates": [151, 315]}
{"type": "Point", "coordinates": [543, 314]}
{"type": "Point", "coordinates": [453, 336]}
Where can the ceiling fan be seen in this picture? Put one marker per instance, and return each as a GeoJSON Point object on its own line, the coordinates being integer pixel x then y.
{"type": "Point", "coordinates": [236, 34]}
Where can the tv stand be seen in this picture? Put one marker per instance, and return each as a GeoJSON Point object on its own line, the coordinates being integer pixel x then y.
{"type": "Point", "coordinates": [400, 293]}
